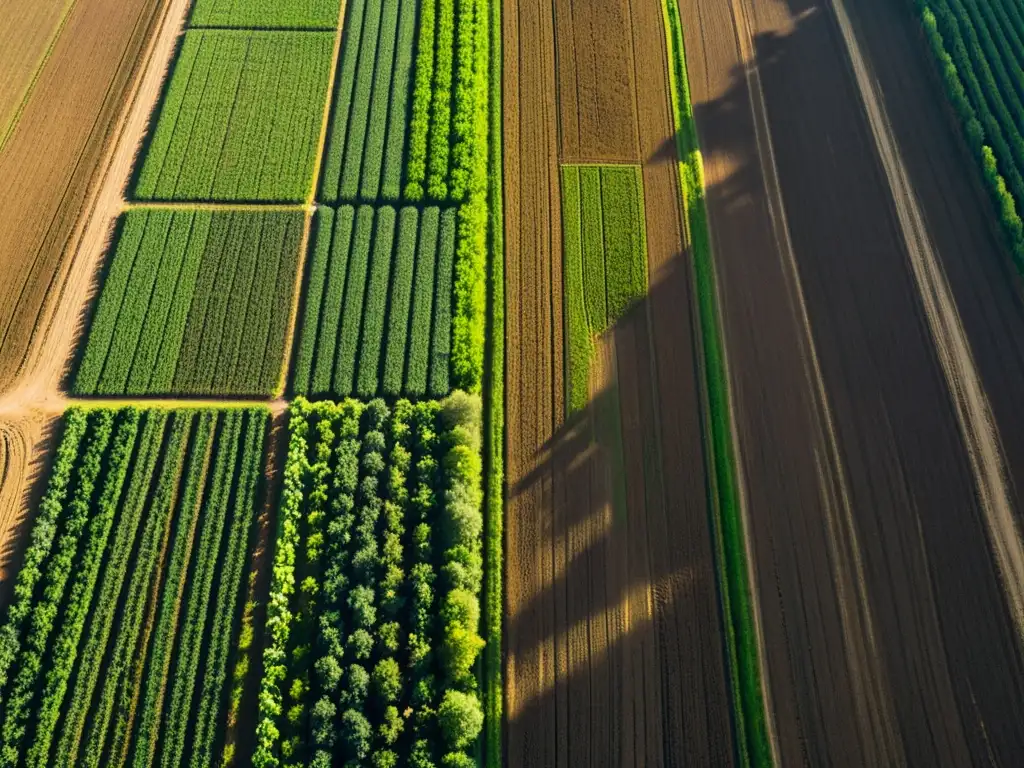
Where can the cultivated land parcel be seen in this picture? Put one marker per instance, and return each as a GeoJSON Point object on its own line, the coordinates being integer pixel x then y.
{"type": "Point", "coordinates": [757, 394]}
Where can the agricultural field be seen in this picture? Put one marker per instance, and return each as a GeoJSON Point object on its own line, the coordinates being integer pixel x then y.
{"type": "Point", "coordinates": [605, 269]}
{"type": "Point", "coordinates": [54, 157]}
{"type": "Point", "coordinates": [241, 118]}
{"type": "Point", "coordinates": [374, 604]}
{"type": "Point", "coordinates": [979, 50]}
{"type": "Point", "coordinates": [266, 14]}
{"type": "Point", "coordinates": [378, 303]}
{"type": "Point", "coordinates": [194, 302]}
{"type": "Point", "coordinates": [407, 128]}
{"type": "Point", "coordinates": [117, 647]}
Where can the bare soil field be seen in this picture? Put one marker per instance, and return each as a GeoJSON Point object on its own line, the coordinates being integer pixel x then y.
{"type": "Point", "coordinates": [614, 652]}
{"type": "Point", "coordinates": [29, 29]}
{"type": "Point", "coordinates": [888, 638]}
{"type": "Point", "coordinates": [51, 161]}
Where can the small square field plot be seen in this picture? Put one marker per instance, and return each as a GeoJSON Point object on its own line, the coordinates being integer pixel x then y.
{"type": "Point", "coordinates": [241, 118]}
{"type": "Point", "coordinates": [195, 302]}
{"type": "Point", "coordinates": [378, 304]}
{"type": "Point", "coordinates": [266, 14]}
{"type": "Point", "coordinates": [605, 269]}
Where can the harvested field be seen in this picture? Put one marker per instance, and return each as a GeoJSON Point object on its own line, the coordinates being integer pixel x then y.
{"type": "Point", "coordinates": [30, 30]}
{"type": "Point", "coordinates": [50, 161]}
{"type": "Point", "coordinates": [378, 303]}
{"type": "Point", "coordinates": [613, 629]}
{"type": "Point", "coordinates": [194, 302]}
{"type": "Point", "coordinates": [843, 406]}
{"type": "Point", "coordinates": [216, 136]}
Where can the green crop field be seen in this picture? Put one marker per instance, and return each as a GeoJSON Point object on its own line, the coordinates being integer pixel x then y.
{"type": "Point", "coordinates": [375, 601]}
{"type": "Point", "coordinates": [195, 302]}
{"type": "Point", "coordinates": [980, 52]}
{"type": "Point", "coordinates": [133, 571]}
{"type": "Point", "coordinates": [241, 118]}
{"type": "Point", "coordinates": [259, 14]}
{"type": "Point", "coordinates": [605, 270]}
{"type": "Point", "coordinates": [377, 318]}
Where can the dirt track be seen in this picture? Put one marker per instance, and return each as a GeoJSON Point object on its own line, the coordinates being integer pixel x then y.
{"type": "Point", "coordinates": [613, 641]}
{"type": "Point", "coordinates": [888, 634]}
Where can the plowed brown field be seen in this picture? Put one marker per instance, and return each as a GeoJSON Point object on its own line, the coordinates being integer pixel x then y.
{"type": "Point", "coordinates": [50, 162]}
{"type": "Point", "coordinates": [888, 636]}
{"type": "Point", "coordinates": [614, 651]}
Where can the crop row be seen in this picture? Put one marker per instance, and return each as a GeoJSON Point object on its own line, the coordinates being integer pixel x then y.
{"type": "Point", "coordinates": [373, 616]}
{"type": "Point", "coordinates": [194, 302]}
{"type": "Point", "coordinates": [980, 52]}
{"type": "Point", "coordinates": [605, 270]}
{"type": "Point", "coordinates": [145, 512]}
{"type": "Point", "coordinates": [378, 307]}
{"type": "Point", "coordinates": [240, 119]}
{"type": "Point", "coordinates": [262, 14]}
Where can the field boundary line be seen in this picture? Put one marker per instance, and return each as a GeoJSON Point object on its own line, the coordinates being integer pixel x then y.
{"type": "Point", "coordinates": [967, 393]}
{"type": "Point", "coordinates": [756, 739]}
{"type": "Point", "coordinates": [9, 129]}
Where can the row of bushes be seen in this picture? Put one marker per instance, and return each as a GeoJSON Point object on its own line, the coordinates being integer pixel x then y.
{"type": "Point", "coordinates": [376, 594]}
{"type": "Point", "coordinates": [984, 133]}
{"type": "Point", "coordinates": [122, 485]}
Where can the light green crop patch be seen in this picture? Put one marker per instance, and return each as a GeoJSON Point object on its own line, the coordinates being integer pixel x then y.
{"type": "Point", "coordinates": [605, 260]}
{"type": "Point", "coordinates": [260, 14]}
{"type": "Point", "coordinates": [240, 119]}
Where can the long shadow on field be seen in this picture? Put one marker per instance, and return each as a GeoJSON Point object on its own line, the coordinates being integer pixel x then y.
{"type": "Point", "coordinates": [613, 630]}
{"type": "Point", "coordinates": [945, 662]}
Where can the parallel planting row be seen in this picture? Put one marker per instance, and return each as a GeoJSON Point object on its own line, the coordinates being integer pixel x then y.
{"type": "Point", "coordinates": [378, 303]}
{"type": "Point", "coordinates": [605, 270]}
{"type": "Point", "coordinates": [266, 14]}
{"type": "Point", "coordinates": [980, 51]}
{"type": "Point", "coordinates": [241, 118]}
{"type": "Point", "coordinates": [116, 646]}
{"type": "Point", "coordinates": [195, 302]}
{"type": "Point", "coordinates": [373, 616]}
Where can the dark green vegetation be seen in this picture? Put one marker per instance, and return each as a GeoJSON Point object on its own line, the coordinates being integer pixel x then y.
{"type": "Point", "coordinates": [980, 51]}
{"type": "Point", "coordinates": [494, 420]}
{"type": "Point", "coordinates": [195, 302]}
{"type": "Point", "coordinates": [241, 118]}
{"type": "Point", "coordinates": [378, 304]}
{"type": "Point", "coordinates": [741, 634]}
{"type": "Point", "coordinates": [259, 14]}
{"type": "Point", "coordinates": [374, 607]}
{"type": "Point", "coordinates": [116, 645]}
{"type": "Point", "coordinates": [410, 123]}
{"type": "Point", "coordinates": [605, 271]}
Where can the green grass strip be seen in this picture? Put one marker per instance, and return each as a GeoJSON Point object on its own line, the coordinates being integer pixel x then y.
{"type": "Point", "coordinates": [376, 305]}
{"type": "Point", "coordinates": [323, 224]}
{"type": "Point", "coordinates": [422, 304]}
{"type": "Point", "coordinates": [594, 292]}
{"type": "Point", "coordinates": [577, 374]}
{"type": "Point", "coordinates": [401, 297]}
{"type": "Point", "coordinates": [355, 290]}
{"type": "Point", "coordinates": [442, 333]}
{"type": "Point", "coordinates": [752, 731]}
{"type": "Point", "coordinates": [625, 238]}
{"type": "Point", "coordinates": [494, 415]}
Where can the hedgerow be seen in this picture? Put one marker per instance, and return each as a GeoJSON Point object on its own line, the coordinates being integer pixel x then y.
{"type": "Point", "coordinates": [198, 303]}
{"type": "Point", "coordinates": [214, 138]}
{"type": "Point", "coordinates": [391, 634]}
{"type": "Point", "coordinates": [998, 154]}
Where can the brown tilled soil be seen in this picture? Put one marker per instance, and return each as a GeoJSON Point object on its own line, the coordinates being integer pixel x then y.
{"type": "Point", "coordinates": [51, 162]}
{"type": "Point", "coordinates": [887, 635]}
{"type": "Point", "coordinates": [613, 634]}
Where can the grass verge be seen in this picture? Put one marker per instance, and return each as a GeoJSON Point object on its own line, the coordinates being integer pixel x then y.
{"type": "Point", "coordinates": [494, 416]}
{"type": "Point", "coordinates": [753, 747]}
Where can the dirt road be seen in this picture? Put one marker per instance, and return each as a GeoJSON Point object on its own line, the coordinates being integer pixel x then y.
{"type": "Point", "coordinates": [614, 652]}
{"type": "Point", "coordinates": [888, 634]}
